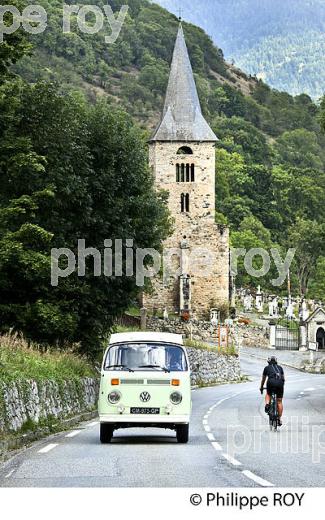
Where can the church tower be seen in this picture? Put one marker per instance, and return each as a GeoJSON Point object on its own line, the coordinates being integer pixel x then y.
{"type": "Point", "coordinates": [182, 159]}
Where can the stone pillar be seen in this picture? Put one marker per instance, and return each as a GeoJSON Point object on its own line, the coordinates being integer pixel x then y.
{"type": "Point", "coordinates": [272, 334]}
{"type": "Point", "coordinates": [143, 312]}
{"type": "Point", "coordinates": [185, 293]}
{"type": "Point", "coordinates": [302, 336]}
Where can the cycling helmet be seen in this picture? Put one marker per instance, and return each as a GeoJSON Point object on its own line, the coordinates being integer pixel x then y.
{"type": "Point", "coordinates": [272, 360]}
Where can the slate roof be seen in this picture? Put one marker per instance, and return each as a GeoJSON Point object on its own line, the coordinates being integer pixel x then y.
{"type": "Point", "coordinates": [182, 118]}
{"type": "Point", "coordinates": [313, 315]}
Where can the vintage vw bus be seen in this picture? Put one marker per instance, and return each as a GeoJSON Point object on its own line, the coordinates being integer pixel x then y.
{"type": "Point", "coordinates": [145, 382]}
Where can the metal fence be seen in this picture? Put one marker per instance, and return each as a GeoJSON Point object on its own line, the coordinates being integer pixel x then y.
{"type": "Point", "coordinates": [287, 336]}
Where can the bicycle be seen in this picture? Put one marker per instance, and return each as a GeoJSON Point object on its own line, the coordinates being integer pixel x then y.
{"type": "Point", "coordinates": [273, 413]}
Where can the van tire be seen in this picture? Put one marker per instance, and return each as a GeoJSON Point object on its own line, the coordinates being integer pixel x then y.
{"type": "Point", "coordinates": [106, 433]}
{"type": "Point", "coordinates": [182, 433]}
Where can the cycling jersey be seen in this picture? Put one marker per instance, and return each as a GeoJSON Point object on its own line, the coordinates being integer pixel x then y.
{"type": "Point", "coordinates": [275, 380]}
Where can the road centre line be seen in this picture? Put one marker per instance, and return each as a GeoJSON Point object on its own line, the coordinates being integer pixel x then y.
{"type": "Point", "coordinates": [231, 459]}
{"type": "Point", "coordinates": [252, 476]}
{"type": "Point", "coordinates": [257, 479]}
{"type": "Point", "coordinates": [211, 437]}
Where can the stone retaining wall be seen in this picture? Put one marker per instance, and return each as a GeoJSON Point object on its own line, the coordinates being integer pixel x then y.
{"type": "Point", "coordinates": [252, 336]}
{"type": "Point", "coordinates": [27, 404]}
{"type": "Point", "coordinates": [242, 335]}
{"type": "Point", "coordinates": [209, 367]}
{"type": "Point", "coordinates": [200, 330]}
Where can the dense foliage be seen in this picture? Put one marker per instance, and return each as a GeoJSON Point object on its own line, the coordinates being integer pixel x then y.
{"type": "Point", "coordinates": [68, 170]}
{"type": "Point", "coordinates": [280, 40]}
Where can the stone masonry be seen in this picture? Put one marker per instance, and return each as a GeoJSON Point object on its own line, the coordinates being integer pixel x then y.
{"type": "Point", "coordinates": [182, 160]}
{"type": "Point", "coordinates": [31, 402]}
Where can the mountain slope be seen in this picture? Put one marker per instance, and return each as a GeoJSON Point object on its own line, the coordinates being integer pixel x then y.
{"type": "Point", "coordinates": [270, 168]}
{"type": "Point", "coordinates": [280, 40]}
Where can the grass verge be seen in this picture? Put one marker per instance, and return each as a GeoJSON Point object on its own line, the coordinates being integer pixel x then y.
{"type": "Point", "coordinates": [20, 360]}
{"type": "Point", "coordinates": [225, 351]}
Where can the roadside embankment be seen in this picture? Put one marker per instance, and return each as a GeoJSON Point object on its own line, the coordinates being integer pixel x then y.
{"type": "Point", "coordinates": [41, 393]}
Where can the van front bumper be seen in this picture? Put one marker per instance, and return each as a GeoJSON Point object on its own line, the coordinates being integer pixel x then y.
{"type": "Point", "coordinates": [144, 419]}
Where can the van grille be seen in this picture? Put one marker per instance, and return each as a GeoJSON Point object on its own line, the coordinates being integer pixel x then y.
{"type": "Point", "coordinates": [132, 381]}
{"type": "Point", "coordinates": [164, 382]}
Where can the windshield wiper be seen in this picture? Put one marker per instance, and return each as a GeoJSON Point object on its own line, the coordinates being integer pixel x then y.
{"type": "Point", "coordinates": [119, 366]}
{"type": "Point", "coordinates": [155, 366]}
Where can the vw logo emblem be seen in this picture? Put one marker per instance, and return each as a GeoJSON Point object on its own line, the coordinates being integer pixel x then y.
{"type": "Point", "coordinates": [145, 397]}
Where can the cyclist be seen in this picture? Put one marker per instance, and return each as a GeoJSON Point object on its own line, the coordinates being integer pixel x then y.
{"type": "Point", "coordinates": [275, 384]}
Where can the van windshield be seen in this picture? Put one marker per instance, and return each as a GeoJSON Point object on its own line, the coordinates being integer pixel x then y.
{"type": "Point", "coordinates": [146, 356]}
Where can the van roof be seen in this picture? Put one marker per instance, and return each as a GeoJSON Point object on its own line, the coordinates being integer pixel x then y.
{"type": "Point", "coordinates": [164, 337]}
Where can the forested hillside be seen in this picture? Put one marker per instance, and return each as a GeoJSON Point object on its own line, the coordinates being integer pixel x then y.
{"type": "Point", "coordinates": [270, 180]}
{"type": "Point", "coordinates": [69, 170]}
{"type": "Point", "coordinates": [280, 40]}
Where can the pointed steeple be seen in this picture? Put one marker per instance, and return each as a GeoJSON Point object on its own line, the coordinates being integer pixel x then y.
{"type": "Point", "coordinates": [182, 118]}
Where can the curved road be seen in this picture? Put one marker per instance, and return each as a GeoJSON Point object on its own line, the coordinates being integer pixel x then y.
{"type": "Point", "coordinates": [230, 445]}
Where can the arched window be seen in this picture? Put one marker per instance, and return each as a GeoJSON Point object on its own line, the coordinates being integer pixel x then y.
{"type": "Point", "coordinates": [182, 172]}
{"type": "Point", "coordinates": [177, 173]}
{"type": "Point", "coordinates": [192, 173]}
{"type": "Point", "coordinates": [182, 203]}
{"type": "Point", "coordinates": [187, 173]}
{"type": "Point", "coordinates": [185, 150]}
{"type": "Point", "coordinates": [185, 203]}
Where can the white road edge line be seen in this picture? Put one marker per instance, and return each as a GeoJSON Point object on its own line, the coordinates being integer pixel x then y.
{"type": "Point", "coordinates": [73, 434]}
{"type": "Point", "coordinates": [231, 459]}
{"type": "Point", "coordinates": [257, 479]}
{"type": "Point", "coordinates": [211, 437]}
{"type": "Point", "coordinates": [216, 446]}
{"type": "Point", "coordinates": [207, 428]}
{"type": "Point", "coordinates": [9, 474]}
{"type": "Point", "coordinates": [309, 389]}
{"type": "Point", "coordinates": [47, 448]}
{"type": "Point", "coordinates": [93, 424]}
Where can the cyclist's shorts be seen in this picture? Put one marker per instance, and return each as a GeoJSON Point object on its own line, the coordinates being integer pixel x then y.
{"type": "Point", "coordinates": [276, 387]}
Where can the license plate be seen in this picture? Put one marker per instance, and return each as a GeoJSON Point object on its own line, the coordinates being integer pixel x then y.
{"type": "Point", "coordinates": [145, 411]}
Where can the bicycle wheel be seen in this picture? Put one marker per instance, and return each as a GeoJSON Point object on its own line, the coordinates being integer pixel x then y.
{"type": "Point", "coordinates": [273, 414]}
{"type": "Point", "coordinates": [271, 423]}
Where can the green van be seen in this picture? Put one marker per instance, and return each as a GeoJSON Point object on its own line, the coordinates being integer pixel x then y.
{"type": "Point", "coordinates": [145, 382]}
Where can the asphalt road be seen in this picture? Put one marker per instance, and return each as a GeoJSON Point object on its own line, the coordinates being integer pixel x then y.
{"type": "Point", "coordinates": [230, 445]}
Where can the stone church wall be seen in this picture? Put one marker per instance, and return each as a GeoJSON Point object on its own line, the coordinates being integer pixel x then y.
{"type": "Point", "coordinates": [209, 288]}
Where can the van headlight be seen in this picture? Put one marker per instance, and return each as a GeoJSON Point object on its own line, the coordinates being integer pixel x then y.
{"type": "Point", "coordinates": [114, 397]}
{"type": "Point", "coordinates": [176, 397]}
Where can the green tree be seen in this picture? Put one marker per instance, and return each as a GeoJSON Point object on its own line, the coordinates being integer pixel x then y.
{"type": "Point", "coordinates": [308, 238]}
{"type": "Point", "coordinates": [14, 45]}
{"type": "Point", "coordinates": [77, 171]}
{"type": "Point", "coordinates": [299, 148]}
